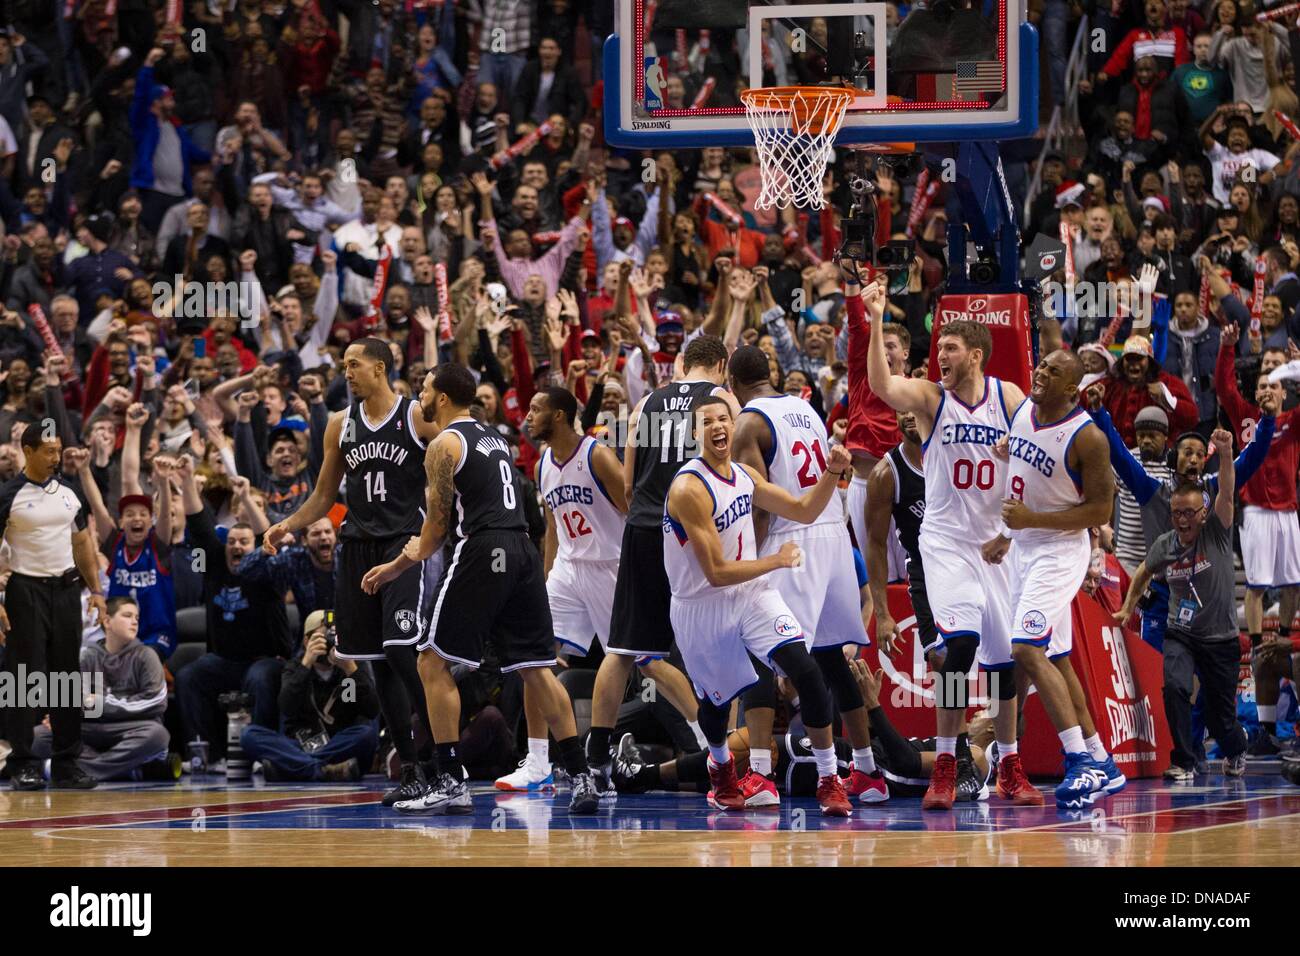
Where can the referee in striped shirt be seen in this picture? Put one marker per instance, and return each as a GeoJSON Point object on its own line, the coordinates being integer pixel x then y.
{"type": "Point", "coordinates": [44, 519]}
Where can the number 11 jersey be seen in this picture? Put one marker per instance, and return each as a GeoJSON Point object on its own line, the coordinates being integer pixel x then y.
{"type": "Point", "coordinates": [964, 480]}
{"type": "Point", "coordinates": [384, 469]}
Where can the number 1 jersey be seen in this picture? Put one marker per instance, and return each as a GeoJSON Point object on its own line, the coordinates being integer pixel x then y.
{"type": "Point", "coordinates": [964, 480]}
{"type": "Point", "coordinates": [384, 469]}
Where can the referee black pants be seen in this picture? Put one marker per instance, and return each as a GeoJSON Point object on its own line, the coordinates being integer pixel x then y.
{"type": "Point", "coordinates": [44, 638]}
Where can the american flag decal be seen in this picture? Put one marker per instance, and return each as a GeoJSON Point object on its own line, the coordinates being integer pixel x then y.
{"type": "Point", "coordinates": [979, 76]}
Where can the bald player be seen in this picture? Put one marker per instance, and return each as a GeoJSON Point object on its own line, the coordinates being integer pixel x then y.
{"type": "Point", "coordinates": [1058, 485]}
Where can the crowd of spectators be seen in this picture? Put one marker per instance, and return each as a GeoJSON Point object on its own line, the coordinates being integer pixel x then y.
{"type": "Point", "coordinates": [207, 212]}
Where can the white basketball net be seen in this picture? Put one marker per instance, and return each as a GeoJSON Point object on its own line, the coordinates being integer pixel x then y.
{"type": "Point", "coordinates": [794, 130]}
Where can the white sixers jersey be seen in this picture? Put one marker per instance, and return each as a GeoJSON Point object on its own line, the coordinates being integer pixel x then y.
{"type": "Point", "coordinates": [587, 525]}
{"type": "Point", "coordinates": [964, 480]}
{"type": "Point", "coordinates": [800, 447]}
{"type": "Point", "coordinates": [733, 516]}
{"type": "Point", "coordinates": [1038, 472]}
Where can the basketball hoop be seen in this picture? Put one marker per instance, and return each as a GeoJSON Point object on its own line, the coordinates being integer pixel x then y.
{"type": "Point", "coordinates": [794, 130]}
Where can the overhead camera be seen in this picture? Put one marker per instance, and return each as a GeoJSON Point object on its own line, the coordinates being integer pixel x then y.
{"type": "Point", "coordinates": [985, 270]}
{"type": "Point", "coordinates": [895, 254]}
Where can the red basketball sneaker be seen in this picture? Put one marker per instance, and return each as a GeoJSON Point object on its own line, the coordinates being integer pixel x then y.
{"type": "Point", "coordinates": [1013, 785]}
{"type": "Point", "coordinates": [759, 792]}
{"type": "Point", "coordinates": [831, 795]}
{"type": "Point", "coordinates": [943, 784]}
{"type": "Point", "coordinates": [725, 794]}
{"type": "Point", "coordinates": [867, 787]}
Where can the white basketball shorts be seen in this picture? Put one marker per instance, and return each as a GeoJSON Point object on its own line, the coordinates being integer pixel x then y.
{"type": "Point", "coordinates": [716, 634]}
{"type": "Point", "coordinates": [968, 596]}
{"type": "Point", "coordinates": [822, 594]}
{"type": "Point", "coordinates": [581, 595]}
{"type": "Point", "coordinates": [1045, 577]}
{"type": "Point", "coordinates": [1270, 547]}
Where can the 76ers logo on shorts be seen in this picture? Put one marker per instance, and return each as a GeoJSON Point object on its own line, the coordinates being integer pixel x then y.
{"type": "Point", "coordinates": [1034, 623]}
{"type": "Point", "coordinates": [786, 626]}
{"type": "Point", "coordinates": [405, 621]}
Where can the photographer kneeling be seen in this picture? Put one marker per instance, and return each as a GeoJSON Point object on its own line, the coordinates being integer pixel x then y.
{"type": "Point", "coordinates": [329, 707]}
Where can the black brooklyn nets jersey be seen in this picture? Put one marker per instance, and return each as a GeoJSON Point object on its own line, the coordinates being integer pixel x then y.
{"type": "Point", "coordinates": [909, 504]}
{"type": "Point", "coordinates": [664, 441]}
{"type": "Point", "coordinates": [384, 465]}
{"type": "Point", "coordinates": [486, 496]}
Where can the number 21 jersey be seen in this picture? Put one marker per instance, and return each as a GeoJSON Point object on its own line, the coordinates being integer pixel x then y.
{"type": "Point", "coordinates": [964, 480]}
{"type": "Point", "coordinates": [384, 469]}
{"type": "Point", "coordinates": [798, 453]}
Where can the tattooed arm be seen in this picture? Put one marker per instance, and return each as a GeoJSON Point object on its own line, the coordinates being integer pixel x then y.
{"type": "Point", "coordinates": [440, 468]}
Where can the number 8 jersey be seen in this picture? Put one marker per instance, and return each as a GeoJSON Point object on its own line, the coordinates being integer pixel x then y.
{"type": "Point", "coordinates": [486, 498]}
{"type": "Point", "coordinates": [964, 480]}
{"type": "Point", "coordinates": [587, 525]}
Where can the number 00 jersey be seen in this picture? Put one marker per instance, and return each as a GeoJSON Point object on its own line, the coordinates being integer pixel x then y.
{"type": "Point", "coordinates": [664, 441]}
{"type": "Point", "coordinates": [733, 516]}
{"type": "Point", "coordinates": [798, 454]}
{"type": "Point", "coordinates": [587, 525]}
{"type": "Point", "coordinates": [964, 480]}
{"type": "Point", "coordinates": [384, 469]}
{"type": "Point", "coordinates": [1038, 470]}
{"type": "Point", "coordinates": [485, 483]}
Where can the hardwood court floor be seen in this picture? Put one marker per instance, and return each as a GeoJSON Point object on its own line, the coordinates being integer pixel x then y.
{"type": "Point", "coordinates": [1253, 821]}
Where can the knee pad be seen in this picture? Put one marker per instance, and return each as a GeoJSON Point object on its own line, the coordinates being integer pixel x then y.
{"type": "Point", "coordinates": [712, 720]}
{"type": "Point", "coordinates": [839, 679]}
{"type": "Point", "coordinates": [763, 693]}
{"type": "Point", "coordinates": [1005, 683]}
{"type": "Point", "coordinates": [814, 699]}
{"type": "Point", "coordinates": [951, 691]}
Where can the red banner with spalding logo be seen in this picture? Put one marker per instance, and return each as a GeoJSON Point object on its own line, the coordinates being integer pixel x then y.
{"type": "Point", "coordinates": [1007, 318]}
{"type": "Point", "coordinates": [1122, 678]}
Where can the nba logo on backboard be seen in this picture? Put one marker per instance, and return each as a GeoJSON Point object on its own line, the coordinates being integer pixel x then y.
{"type": "Point", "coordinates": [654, 84]}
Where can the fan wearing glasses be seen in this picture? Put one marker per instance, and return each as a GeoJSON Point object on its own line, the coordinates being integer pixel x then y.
{"type": "Point", "coordinates": [1195, 561]}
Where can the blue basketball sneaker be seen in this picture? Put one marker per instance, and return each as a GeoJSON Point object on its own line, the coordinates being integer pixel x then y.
{"type": "Point", "coordinates": [1115, 779]}
{"type": "Point", "coordinates": [1084, 780]}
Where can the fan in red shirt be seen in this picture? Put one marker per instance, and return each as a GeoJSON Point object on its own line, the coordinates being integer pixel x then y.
{"type": "Point", "coordinates": [1137, 382]}
{"type": "Point", "coordinates": [1270, 536]}
{"type": "Point", "coordinates": [873, 426]}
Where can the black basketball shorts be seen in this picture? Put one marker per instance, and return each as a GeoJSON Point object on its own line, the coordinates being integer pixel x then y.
{"type": "Point", "coordinates": [493, 589]}
{"type": "Point", "coordinates": [366, 623]}
{"type": "Point", "coordinates": [642, 596]}
{"type": "Point", "coordinates": [926, 632]}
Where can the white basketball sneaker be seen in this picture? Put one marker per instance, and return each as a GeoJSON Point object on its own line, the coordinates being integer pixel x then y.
{"type": "Point", "coordinates": [531, 775]}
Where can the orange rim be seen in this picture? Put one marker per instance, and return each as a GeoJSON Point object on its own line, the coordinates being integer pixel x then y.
{"type": "Point", "coordinates": [806, 105]}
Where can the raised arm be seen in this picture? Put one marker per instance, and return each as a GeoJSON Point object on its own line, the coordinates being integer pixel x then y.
{"type": "Point", "coordinates": [1222, 439]}
{"type": "Point", "coordinates": [808, 508]}
{"type": "Point", "coordinates": [690, 509]}
{"type": "Point", "coordinates": [898, 391]}
{"type": "Point", "coordinates": [322, 496]}
{"type": "Point", "coordinates": [136, 416]}
{"type": "Point", "coordinates": [104, 523]}
{"type": "Point", "coordinates": [1128, 468]}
